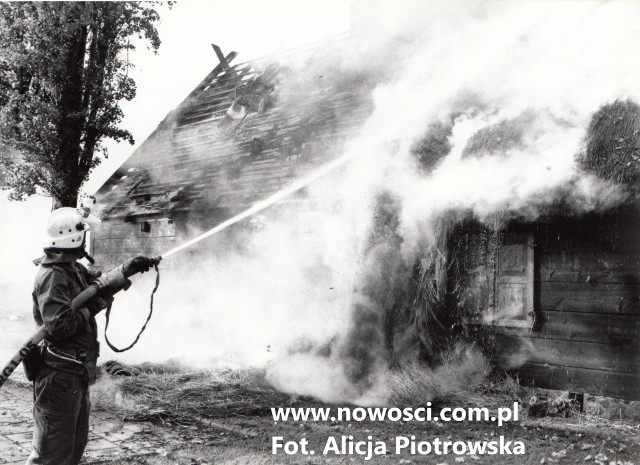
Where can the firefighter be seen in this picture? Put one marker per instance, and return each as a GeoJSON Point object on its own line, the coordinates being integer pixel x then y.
{"type": "Point", "coordinates": [68, 357]}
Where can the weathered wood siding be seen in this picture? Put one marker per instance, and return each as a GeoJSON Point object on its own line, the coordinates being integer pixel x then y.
{"type": "Point", "coordinates": [586, 333]}
{"type": "Point", "coordinates": [118, 241]}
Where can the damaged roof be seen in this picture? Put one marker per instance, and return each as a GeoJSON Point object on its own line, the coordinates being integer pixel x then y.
{"type": "Point", "coordinates": [246, 131]}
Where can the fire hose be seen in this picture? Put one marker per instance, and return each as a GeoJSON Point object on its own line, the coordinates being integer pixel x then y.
{"type": "Point", "coordinates": [115, 281]}
{"type": "Point", "coordinates": [144, 326]}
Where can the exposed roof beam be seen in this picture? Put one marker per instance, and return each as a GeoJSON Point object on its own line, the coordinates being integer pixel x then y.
{"type": "Point", "coordinates": [223, 65]}
{"type": "Point", "coordinates": [223, 60]}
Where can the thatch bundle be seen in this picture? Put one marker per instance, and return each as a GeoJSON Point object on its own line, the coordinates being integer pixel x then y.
{"type": "Point", "coordinates": [458, 373]}
{"type": "Point", "coordinates": [498, 138]}
{"type": "Point", "coordinates": [433, 146]}
{"type": "Point", "coordinates": [432, 320]}
{"type": "Point", "coordinates": [612, 147]}
{"type": "Point", "coordinates": [169, 395]}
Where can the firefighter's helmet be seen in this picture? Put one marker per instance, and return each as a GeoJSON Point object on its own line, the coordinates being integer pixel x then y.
{"type": "Point", "coordinates": [66, 228]}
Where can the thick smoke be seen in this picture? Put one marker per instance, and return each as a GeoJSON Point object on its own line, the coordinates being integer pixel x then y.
{"type": "Point", "coordinates": [307, 294]}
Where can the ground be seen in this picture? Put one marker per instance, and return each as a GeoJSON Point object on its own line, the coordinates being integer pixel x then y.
{"type": "Point", "coordinates": [162, 417]}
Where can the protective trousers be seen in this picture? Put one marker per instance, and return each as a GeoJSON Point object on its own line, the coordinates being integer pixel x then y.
{"type": "Point", "coordinates": [61, 414]}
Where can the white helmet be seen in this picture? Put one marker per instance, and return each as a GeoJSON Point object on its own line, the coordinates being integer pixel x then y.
{"type": "Point", "coordinates": [67, 226]}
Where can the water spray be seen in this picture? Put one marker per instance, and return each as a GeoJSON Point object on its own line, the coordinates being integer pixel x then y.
{"type": "Point", "coordinates": [117, 279]}
{"type": "Point", "coordinates": [281, 194]}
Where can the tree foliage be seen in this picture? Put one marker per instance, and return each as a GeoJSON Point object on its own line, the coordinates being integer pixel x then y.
{"type": "Point", "coordinates": [63, 73]}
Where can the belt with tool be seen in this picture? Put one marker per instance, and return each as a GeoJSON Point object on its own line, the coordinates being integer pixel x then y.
{"type": "Point", "coordinates": [79, 356]}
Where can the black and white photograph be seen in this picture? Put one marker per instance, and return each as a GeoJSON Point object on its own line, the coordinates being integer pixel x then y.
{"type": "Point", "coordinates": [244, 232]}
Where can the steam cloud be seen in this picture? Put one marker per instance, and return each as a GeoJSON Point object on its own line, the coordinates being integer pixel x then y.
{"type": "Point", "coordinates": [305, 293]}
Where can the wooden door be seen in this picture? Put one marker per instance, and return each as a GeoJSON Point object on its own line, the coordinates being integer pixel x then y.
{"type": "Point", "coordinates": [514, 281]}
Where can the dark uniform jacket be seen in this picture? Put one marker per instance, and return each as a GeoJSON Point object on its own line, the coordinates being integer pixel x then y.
{"type": "Point", "coordinates": [71, 341]}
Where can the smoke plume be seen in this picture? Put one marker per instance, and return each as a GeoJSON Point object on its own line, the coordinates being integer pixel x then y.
{"type": "Point", "coordinates": [500, 93]}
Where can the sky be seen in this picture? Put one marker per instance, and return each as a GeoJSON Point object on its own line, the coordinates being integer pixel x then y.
{"type": "Point", "coordinates": [250, 27]}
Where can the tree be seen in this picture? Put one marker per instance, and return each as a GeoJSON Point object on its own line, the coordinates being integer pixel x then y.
{"type": "Point", "coordinates": [63, 73]}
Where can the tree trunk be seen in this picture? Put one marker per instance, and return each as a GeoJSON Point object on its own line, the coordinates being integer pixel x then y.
{"type": "Point", "coordinates": [72, 120]}
{"type": "Point", "coordinates": [102, 38]}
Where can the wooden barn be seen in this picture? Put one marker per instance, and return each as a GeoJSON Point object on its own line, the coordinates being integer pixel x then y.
{"type": "Point", "coordinates": [238, 137]}
{"type": "Point", "coordinates": [557, 301]}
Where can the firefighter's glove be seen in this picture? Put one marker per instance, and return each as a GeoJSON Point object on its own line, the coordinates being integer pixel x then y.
{"type": "Point", "coordinates": [113, 280]}
{"type": "Point", "coordinates": [140, 264]}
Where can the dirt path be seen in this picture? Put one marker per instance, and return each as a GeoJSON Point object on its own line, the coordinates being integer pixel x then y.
{"type": "Point", "coordinates": [232, 426]}
{"type": "Point", "coordinates": [239, 440]}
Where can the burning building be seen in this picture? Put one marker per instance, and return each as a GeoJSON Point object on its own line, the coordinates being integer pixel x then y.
{"type": "Point", "coordinates": [557, 298]}
{"type": "Point", "coordinates": [546, 277]}
{"type": "Point", "coordinates": [233, 141]}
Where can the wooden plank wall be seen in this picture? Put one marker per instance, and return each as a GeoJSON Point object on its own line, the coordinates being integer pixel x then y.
{"type": "Point", "coordinates": [118, 241]}
{"type": "Point", "coordinates": [587, 335]}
